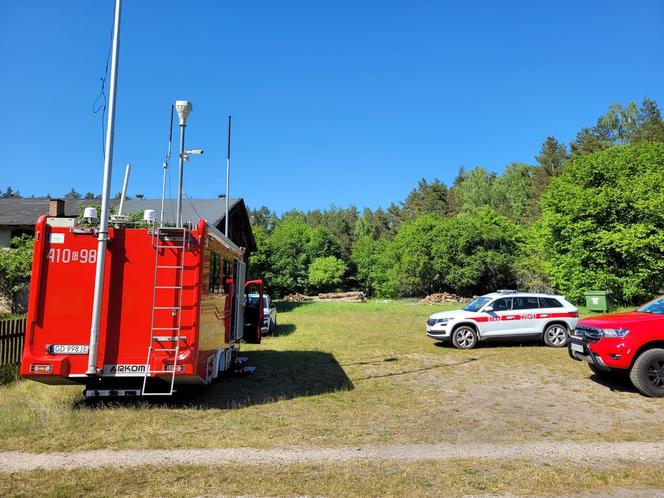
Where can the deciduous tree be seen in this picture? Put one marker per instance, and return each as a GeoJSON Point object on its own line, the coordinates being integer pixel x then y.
{"type": "Point", "coordinates": [603, 223]}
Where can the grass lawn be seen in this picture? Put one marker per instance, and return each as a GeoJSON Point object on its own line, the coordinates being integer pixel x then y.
{"type": "Point", "coordinates": [343, 374]}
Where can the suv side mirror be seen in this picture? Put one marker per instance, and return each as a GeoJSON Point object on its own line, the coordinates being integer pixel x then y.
{"type": "Point", "coordinates": [488, 308]}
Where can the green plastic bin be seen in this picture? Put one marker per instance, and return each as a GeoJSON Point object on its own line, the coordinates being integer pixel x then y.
{"type": "Point", "coordinates": [598, 300]}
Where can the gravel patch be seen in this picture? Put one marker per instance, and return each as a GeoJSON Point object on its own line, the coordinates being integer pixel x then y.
{"type": "Point", "coordinates": [593, 454]}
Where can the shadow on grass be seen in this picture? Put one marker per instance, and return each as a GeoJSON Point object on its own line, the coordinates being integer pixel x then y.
{"type": "Point", "coordinates": [500, 343]}
{"type": "Point", "coordinates": [279, 375]}
{"type": "Point", "coordinates": [615, 382]}
{"type": "Point", "coordinates": [284, 329]}
{"type": "Point", "coordinates": [286, 306]}
{"type": "Point", "coordinates": [9, 374]}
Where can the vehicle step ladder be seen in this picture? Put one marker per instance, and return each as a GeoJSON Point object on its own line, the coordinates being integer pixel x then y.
{"type": "Point", "coordinates": [176, 240]}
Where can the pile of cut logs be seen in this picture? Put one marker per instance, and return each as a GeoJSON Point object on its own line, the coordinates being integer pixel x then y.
{"type": "Point", "coordinates": [343, 297]}
{"type": "Point", "coordinates": [443, 297]}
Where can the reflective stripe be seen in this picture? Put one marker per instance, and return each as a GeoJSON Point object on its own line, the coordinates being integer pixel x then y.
{"type": "Point", "coordinates": [523, 316]}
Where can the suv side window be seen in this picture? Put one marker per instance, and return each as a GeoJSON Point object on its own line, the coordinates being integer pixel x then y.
{"type": "Point", "coordinates": [526, 303]}
{"type": "Point", "coordinates": [502, 304]}
{"type": "Point", "coordinates": [550, 302]}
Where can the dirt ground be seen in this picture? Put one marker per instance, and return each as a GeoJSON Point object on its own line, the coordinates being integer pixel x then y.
{"type": "Point", "coordinates": [595, 454]}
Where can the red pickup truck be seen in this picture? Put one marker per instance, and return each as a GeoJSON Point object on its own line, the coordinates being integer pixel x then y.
{"type": "Point", "coordinates": [629, 343]}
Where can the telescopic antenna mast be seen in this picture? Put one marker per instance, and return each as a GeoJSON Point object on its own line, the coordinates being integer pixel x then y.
{"type": "Point", "coordinates": [228, 175]}
{"type": "Point", "coordinates": [102, 235]}
{"type": "Point", "coordinates": [166, 165]}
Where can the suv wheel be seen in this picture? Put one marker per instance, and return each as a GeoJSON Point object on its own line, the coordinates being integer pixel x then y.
{"type": "Point", "coordinates": [555, 335]}
{"type": "Point", "coordinates": [647, 373]}
{"type": "Point", "coordinates": [464, 337]}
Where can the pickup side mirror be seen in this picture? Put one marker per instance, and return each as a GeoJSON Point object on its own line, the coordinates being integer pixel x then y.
{"type": "Point", "coordinates": [488, 309]}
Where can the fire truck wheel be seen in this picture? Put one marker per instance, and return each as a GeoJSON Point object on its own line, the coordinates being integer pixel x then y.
{"type": "Point", "coordinates": [464, 337]}
{"type": "Point", "coordinates": [647, 373]}
{"type": "Point", "coordinates": [555, 335]}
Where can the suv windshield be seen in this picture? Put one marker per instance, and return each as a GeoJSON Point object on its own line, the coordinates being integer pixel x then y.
{"type": "Point", "coordinates": [656, 306]}
{"type": "Point", "coordinates": [477, 304]}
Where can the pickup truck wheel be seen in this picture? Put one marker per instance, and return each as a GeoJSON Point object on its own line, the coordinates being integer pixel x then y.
{"type": "Point", "coordinates": [464, 337]}
{"type": "Point", "coordinates": [273, 326]}
{"type": "Point", "coordinates": [555, 335]}
{"type": "Point", "coordinates": [647, 373]}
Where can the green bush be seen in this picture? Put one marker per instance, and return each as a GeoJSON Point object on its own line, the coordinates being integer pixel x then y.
{"type": "Point", "coordinates": [603, 223]}
{"type": "Point", "coordinates": [293, 247]}
{"type": "Point", "coordinates": [471, 253]}
{"type": "Point", "coordinates": [16, 265]}
{"type": "Point", "coordinates": [373, 262]}
{"type": "Point", "coordinates": [325, 274]}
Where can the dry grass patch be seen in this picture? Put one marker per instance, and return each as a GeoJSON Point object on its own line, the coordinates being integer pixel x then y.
{"type": "Point", "coordinates": [432, 478]}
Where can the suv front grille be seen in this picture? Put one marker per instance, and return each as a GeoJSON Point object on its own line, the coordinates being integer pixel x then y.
{"type": "Point", "coordinates": [591, 334]}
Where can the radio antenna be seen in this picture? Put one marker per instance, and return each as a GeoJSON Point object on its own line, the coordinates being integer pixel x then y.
{"type": "Point", "coordinates": [102, 234]}
{"type": "Point", "coordinates": [228, 174]}
{"type": "Point", "coordinates": [166, 165]}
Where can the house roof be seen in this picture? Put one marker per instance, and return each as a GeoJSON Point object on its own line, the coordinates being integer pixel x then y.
{"type": "Point", "coordinates": [212, 210]}
{"type": "Point", "coordinates": [26, 211]}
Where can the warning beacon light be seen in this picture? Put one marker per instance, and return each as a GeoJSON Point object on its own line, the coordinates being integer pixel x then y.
{"type": "Point", "coordinates": [90, 214]}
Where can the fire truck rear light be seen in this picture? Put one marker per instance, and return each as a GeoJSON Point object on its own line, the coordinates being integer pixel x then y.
{"type": "Point", "coordinates": [42, 369]}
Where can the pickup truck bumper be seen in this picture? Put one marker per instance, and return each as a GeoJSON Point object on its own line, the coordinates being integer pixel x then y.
{"type": "Point", "coordinates": [579, 350]}
{"type": "Point", "coordinates": [606, 354]}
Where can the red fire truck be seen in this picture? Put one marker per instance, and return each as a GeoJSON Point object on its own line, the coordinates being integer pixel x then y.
{"type": "Point", "coordinates": [173, 310]}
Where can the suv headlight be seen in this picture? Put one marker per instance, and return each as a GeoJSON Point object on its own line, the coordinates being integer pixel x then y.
{"type": "Point", "coordinates": [615, 332]}
{"type": "Point", "coordinates": [441, 321]}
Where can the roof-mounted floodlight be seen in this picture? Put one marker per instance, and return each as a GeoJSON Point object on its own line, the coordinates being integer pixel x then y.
{"type": "Point", "coordinates": [183, 108]}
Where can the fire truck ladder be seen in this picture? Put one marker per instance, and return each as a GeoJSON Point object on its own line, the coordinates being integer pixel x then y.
{"type": "Point", "coordinates": [175, 239]}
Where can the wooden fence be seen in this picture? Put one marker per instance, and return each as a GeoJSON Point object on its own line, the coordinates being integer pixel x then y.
{"type": "Point", "coordinates": [12, 331]}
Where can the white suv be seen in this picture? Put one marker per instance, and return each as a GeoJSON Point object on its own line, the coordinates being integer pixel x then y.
{"type": "Point", "coordinates": [505, 314]}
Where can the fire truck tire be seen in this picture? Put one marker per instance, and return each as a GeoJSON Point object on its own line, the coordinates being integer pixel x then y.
{"type": "Point", "coordinates": [464, 337]}
{"type": "Point", "coordinates": [555, 335]}
{"type": "Point", "coordinates": [647, 373]}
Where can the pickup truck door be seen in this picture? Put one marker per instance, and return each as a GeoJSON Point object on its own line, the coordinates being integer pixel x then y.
{"type": "Point", "coordinates": [253, 312]}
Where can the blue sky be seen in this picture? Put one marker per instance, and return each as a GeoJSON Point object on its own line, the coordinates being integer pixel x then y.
{"type": "Point", "coordinates": [337, 102]}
